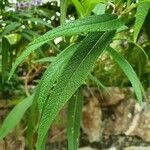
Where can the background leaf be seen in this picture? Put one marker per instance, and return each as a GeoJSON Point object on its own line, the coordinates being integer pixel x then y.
{"type": "Point", "coordinates": [5, 58]}
{"type": "Point", "coordinates": [142, 10]}
{"type": "Point", "coordinates": [15, 116]}
{"type": "Point", "coordinates": [10, 27]}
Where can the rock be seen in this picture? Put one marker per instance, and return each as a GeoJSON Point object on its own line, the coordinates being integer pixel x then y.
{"type": "Point", "coordinates": [137, 148]}
{"type": "Point", "coordinates": [92, 119]}
{"type": "Point", "coordinates": [86, 148]}
{"type": "Point", "coordinates": [13, 143]}
{"type": "Point", "coordinates": [113, 96]}
{"type": "Point", "coordinates": [2, 145]}
{"type": "Point", "coordinates": [142, 125]}
{"type": "Point", "coordinates": [112, 148]}
{"type": "Point", "coordinates": [123, 117]}
{"type": "Point", "coordinates": [130, 119]}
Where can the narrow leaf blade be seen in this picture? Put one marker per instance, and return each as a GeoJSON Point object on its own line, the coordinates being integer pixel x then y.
{"type": "Point", "coordinates": [128, 70]}
{"type": "Point", "coordinates": [74, 117]}
{"type": "Point", "coordinates": [5, 55]}
{"type": "Point", "coordinates": [15, 116]}
{"type": "Point", "coordinates": [142, 10]}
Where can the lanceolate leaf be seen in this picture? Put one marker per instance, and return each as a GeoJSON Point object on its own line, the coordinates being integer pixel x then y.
{"type": "Point", "coordinates": [128, 70]}
{"type": "Point", "coordinates": [74, 117]}
{"type": "Point", "coordinates": [72, 77]}
{"type": "Point", "coordinates": [15, 116]}
{"type": "Point", "coordinates": [89, 24]}
{"type": "Point", "coordinates": [52, 74]}
{"type": "Point", "coordinates": [142, 10]}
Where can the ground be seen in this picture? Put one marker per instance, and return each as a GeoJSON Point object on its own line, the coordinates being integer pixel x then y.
{"type": "Point", "coordinates": [111, 120]}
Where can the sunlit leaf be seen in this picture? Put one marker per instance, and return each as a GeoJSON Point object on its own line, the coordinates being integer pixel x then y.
{"type": "Point", "coordinates": [90, 5]}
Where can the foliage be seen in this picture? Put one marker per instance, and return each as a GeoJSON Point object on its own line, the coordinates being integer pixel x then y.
{"type": "Point", "coordinates": [84, 53]}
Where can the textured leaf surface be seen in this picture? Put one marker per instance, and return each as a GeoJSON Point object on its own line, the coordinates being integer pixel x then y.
{"type": "Point", "coordinates": [74, 117]}
{"type": "Point", "coordinates": [128, 70]}
{"type": "Point", "coordinates": [15, 116]}
{"type": "Point", "coordinates": [72, 77]}
{"type": "Point", "coordinates": [52, 74]}
{"type": "Point", "coordinates": [142, 10]}
{"type": "Point", "coordinates": [89, 24]}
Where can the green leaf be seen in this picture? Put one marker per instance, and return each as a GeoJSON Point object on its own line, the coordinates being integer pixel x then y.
{"type": "Point", "coordinates": [89, 24]}
{"type": "Point", "coordinates": [63, 11]}
{"type": "Point", "coordinates": [52, 74]}
{"type": "Point", "coordinates": [142, 10]}
{"type": "Point", "coordinates": [80, 9]}
{"type": "Point", "coordinates": [99, 9]}
{"type": "Point", "coordinates": [128, 70]}
{"type": "Point", "coordinates": [12, 26]}
{"type": "Point", "coordinates": [15, 116]}
{"type": "Point", "coordinates": [39, 21]}
{"type": "Point", "coordinates": [89, 5]}
{"type": "Point", "coordinates": [73, 75]}
{"type": "Point", "coordinates": [74, 117]}
{"type": "Point", "coordinates": [45, 59]}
